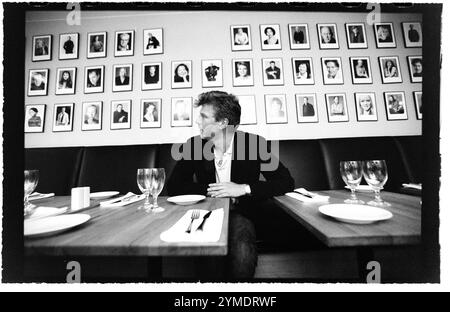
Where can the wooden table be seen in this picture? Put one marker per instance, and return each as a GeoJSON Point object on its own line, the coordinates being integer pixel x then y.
{"type": "Point", "coordinates": [127, 231]}
{"type": "Point", "coordinates": [404, 228]}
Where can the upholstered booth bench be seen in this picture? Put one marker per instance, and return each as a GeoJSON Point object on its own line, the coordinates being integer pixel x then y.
{"type": "Point", "coordinates": [314, 165]}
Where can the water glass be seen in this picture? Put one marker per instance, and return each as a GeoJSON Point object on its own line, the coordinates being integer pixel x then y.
{"type": "Point", "coordinates": [351, 173]}
{"type": "Point", "coordinates": [31, 179]}
{"type": "Point", "coordinates": [375, 173]}
{"type": "Point", "coordinates": [151, 182]}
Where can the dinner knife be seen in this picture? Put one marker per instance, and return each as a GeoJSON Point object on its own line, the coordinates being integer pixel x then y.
{"type": "Point", "coordinates": [304, 194]}
{"type": "Point", "coordinates": [206, 216]}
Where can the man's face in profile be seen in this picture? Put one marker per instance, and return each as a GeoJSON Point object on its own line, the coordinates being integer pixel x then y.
{"type": "Point", "coordinates": [32, 113]}
{"type": "Point", "coordinates": [207, 123]}
{"type": "Point", "coordinates": [326, 34]}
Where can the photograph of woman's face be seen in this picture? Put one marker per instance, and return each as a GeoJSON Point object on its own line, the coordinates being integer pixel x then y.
{"type": "Point", "coordinates": [242, 70]}
{"type": "Point", "coordinates": [182, 70]}
{"type": "Point", "coordinates": [365, 102]}
{"type": "Point", "coordinates": [302, 68]}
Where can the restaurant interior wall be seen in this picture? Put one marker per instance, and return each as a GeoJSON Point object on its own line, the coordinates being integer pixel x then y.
{"type": "Point", "coordinates": [200, 35]}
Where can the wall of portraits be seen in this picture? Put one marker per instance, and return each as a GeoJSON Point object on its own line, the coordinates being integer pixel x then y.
{"type": "Point", "coordinates": [132, 77]}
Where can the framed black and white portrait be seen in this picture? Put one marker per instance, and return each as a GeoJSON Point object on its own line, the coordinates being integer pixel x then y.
{"type": "Point", "coordinates": [270, 37]}
{"type": "Point", "coordinates": [68, 46]}
{"type": "Point", "coordinates": [415, 68]}
{"type": "Point", "coordinates": [181, 113]}
{"type": "Point", "coordinates": [302, 68]}
{"type": "Point", "coordinates": [418, 103]}
{"type": "Point", "coordinates": [212, 73]}
{"type": "Point", "coordinates": [299, 36]}
{"type": "Point", "coordinates": [328, 36]}
{"type": "Point", "coordinates": [366, 107]}
{"type": "Point", "coordinates": [124, 45]}
{"type": "Point", "coordinates": [273, 73]}
{"type": "Point", "coordinates": [38, 82]}
{"type": "Point", "coordinates": [153, 41]}
{"type": "Point", "coordinates": [96, 44]}
{"type": "Point", "coordinates": [93, 79]}
{"type": "Point", "coordinates": [42, 48]}
{"type": "Point", "coordinates": [336, 107]}
{"type": "Point", "coordinates": [120, 114]}
{"type": "Point", "coordinates": [356, 35]}
{"type": "Point", "coordinates": [152, 76]}
{"type": "Point", "coordinates": [276, 109]}
{"type": "Point", "coordinates": [63, 117]}
{"type": "Point", "coordinates": [384, 35]}
{"type": "Point", "coordinates": [248, 109]}
{"type": "Point", "coordinates": [150, 113]}
{"type": "Point", "coordinates": [242, 72]}
{"type": "Point", "coordinates": [65, 80]}
{"type": "Point", "coordinates": [390, 69]}
{"type": "Point", "coordinates": [34, 118]}
{"type": "Point", "coordinates": [361, 71]}
{"type": "Point", "coordinates": [241, 39]}
{"type": "Point", "coordinates": [332, 70]}
{"type": "Point", "coordinates": [92, 113]}
{"type": "Point", "coordinates": [122, 77]}
{"type": "Point", "coordinates": [412, 33]}
{"type": "Point", "coordinates": [306, 107]}
{"type": "Point", "coordinates": [395, 105]}
{"type": "Point", "coordinates": [181, 74]}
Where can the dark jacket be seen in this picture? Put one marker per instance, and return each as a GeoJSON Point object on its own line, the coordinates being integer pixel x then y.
{"type": "Point", "coordinates": [244, 170]}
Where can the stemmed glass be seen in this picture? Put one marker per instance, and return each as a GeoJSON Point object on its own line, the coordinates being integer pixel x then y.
{"type": "Point", "coordinates": [151, 182]}
{"type": "Point", "coordinates": [31, 179]}
{"type": "Point", "coordinates": [351, 172]}
{"type": "Point", "coordinates": [375, 174]}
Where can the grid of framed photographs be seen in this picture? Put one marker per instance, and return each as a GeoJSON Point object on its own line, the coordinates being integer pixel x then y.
{"type": "Point", "coordinates": [213, 73]}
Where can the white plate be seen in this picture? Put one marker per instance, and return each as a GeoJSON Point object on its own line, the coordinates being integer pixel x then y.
{"type": "Point", "coordinates": [53, 225]}
{"type": "Point", "coordinates": [359, 214]}
{"type": "Point", "coordinates": [103, 195]}
{"type": "Point", "coordinates": [43, 212]}
{"type": "Point", "coordinates": [186, 199]}
{"type": "Point", "coordinates": [362, 188]}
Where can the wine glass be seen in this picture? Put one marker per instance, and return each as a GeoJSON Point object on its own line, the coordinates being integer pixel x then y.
{"type": "Point", "coordinates": [351, 173]}
{"type": "Point", "coordinates": [31, 178]}
{"type": "Point", "coordinates": [151, 182]}
{"type": "Point", "coordinates": [375, 174]}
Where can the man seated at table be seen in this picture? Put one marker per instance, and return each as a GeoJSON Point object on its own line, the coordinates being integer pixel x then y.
{"type": "Point", "coordinates": [227, 163]}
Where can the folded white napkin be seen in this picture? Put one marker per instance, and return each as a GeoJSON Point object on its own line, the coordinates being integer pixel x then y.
{"type": "Point", "coordinates": [417, 186]}
{"type": "Point", "coordinates": [127, 199]}
{"type": "Point", "coordinates": [42, 212]}
{"type": "Point", "coordinates": [37, 195]}
{"type": "Point", "coordinates": [211, 228]}
{"type": "Point", "coordinates": [304, 198]}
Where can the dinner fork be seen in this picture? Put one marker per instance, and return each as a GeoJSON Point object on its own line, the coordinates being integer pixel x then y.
{"type": "Point", "coordinates": [195, 215]}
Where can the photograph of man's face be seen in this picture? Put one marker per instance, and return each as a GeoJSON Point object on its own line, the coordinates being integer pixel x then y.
{"type": "Point", "coordinates": [124, 43]}
{"type": "Point", "coordinates": [327, 34]}
{"type": "Point", "coordinates": [38, 81]}
{"type": "Point", "coordinates": [94, 78]}
{"type": "Point", "coordinates": [417, 67]}
{"type": "Point", "coordinates": [122, 72]}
